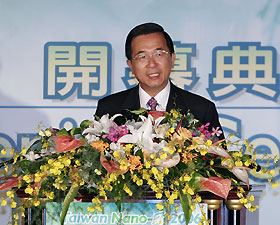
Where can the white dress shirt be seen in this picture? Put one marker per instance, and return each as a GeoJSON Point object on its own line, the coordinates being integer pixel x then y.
{"type": "Point", "coordinates": [161, 97]}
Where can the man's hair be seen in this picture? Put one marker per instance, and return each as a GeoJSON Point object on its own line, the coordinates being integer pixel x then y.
{"type": "Point", "coordinates": [146, 28]}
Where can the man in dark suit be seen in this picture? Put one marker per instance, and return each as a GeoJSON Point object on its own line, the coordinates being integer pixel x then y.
{"type": "Point", "coordinates": [150, 56]}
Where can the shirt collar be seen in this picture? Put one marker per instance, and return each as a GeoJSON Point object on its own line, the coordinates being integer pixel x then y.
{"type": "Point", "coordinates": [161, 97]}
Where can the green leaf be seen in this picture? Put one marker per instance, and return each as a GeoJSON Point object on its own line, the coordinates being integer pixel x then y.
{"type": "Point", "coordinates": [30, 167]}
{"type": "Point", "coordinates": [182, 166]}
{"type": "Point", "coordinates": [68, 199]}
{"type": "Point", "coordinates": [246, 157]}
{"type": "Point", "coordinates": [140, 153]}
{"type": "Point", "coordinates": [226, 173]}
{"type": "Point", "coordinates": [193, 182]}
{"type": "Point", "coordinates": [139, 111]}
{"type": "Point", "coordinates": [75, 130]}
{"type": "Point", "coordinates": [85, 124]}
{"type": "Point", "coordinates": [62, 132]}
{"type": "Point", "coordinates": [186, 201]}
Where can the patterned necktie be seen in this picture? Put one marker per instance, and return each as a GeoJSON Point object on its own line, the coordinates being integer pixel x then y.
{"type": "Point", "coordinates": [152, 103]}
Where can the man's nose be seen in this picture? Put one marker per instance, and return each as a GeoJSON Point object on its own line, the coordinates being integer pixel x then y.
{"type": "Point", "coordinates": [151, 61]}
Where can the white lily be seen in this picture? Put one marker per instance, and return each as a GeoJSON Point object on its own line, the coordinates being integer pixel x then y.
{"type": "Point", "coordinates": [159, 147]}
{"type": "Point", "coordinates": [31, 156]}
{"type": "Point", "coordinates": [143, 135]}
{"type": "Point", "coordinates": [98, 127]}
{"type": "Point", "coordinates": [118, 148]}
{"type": "Point", "coordinates": [158, 121]}
{"type": "Point", "coordinates": [161, 130]}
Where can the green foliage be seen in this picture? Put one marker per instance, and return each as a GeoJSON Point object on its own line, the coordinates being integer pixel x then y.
{"type": "Point", "coordinates": [186, 201]}
{"type": "Point", "coordinates": [85, 124]}
{"type": "Point", "coordinates": [68, 199]}
{"type": "Point", "coordinates": [30, 167]}
{"type": "Point", "coordinates": [63, 132]}
{"type": "Point", "coordinates": [180, 154]}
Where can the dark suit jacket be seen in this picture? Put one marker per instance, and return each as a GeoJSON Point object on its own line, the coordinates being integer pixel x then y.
{"type": "Point", "coordinates": [203, 109]}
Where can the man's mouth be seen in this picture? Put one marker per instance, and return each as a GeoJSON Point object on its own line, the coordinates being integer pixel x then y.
{"type": "Point", "coordinates": [154, 75]}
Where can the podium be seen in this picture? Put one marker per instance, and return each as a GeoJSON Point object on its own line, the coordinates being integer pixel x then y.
{"type": "Point", "coordinates": [231, 211]}
{"type": "Point", "coordinates": [220, 211]}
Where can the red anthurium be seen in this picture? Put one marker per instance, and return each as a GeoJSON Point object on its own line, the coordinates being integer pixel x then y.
{"type": "Point", "coordinates": [12, 182]}
{"type": "Point", "coordinates": [216, 185]}
{"type": "Point", "coordinates": [157, 114]}
{"type": "Point", "coordinates": [111, 166]}
{"type": "Point", "coordinates": [66, 143]}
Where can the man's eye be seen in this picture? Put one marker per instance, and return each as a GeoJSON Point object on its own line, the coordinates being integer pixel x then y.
{"type": "Point", "coordinates": [142, 57]}
{"type": "Point", "coordinates": [158, 54]}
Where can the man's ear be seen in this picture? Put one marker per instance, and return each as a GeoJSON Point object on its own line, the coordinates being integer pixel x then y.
{"type": "Point", "coordinates": [173, 58]}
{"type": "Point", "coordinates": [129, 63]}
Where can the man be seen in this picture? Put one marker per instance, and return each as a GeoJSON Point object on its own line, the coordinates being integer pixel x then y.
{"type": "Point", "coordinates": [150, 56]}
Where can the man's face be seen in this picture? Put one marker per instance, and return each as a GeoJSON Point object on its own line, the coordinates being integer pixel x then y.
{"type": "Point", "coordinates": [152, 73]}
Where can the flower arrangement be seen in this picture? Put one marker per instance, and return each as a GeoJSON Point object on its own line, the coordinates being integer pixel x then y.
{"type": "Point", "coordinates": [171, 154]}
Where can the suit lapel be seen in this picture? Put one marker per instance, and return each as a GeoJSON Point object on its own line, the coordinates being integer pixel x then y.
{"type": "Point", "coordinates": [131, 101]}
{"type": "Point", "coordinates": [174, 100]}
